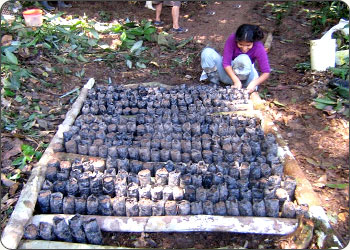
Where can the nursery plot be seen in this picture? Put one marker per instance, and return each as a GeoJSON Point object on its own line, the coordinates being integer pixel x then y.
{"type": "Point", "coordinates": [168, 152]}
{"type": "Point", "coordinates": [148, 153]}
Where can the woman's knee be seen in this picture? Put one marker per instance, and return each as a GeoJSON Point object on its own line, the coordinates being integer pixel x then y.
{"type": "Point", "coordinates": [242, 59]}
{"type": "Point", "coordinates": [208, 52]}
{"type": "Point", "coordinates": [209, 55]}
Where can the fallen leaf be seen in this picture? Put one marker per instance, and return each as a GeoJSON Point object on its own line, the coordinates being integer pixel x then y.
{"type": "Point", "coordinates": [6, 40]}
{"type": "Point", "coordinates": [6, 182]}
{"type": "Point", "coordinates": [343, 216]}
{"type": "Point", "coordinates": [323, 179]}
{"type": "Point", "coordinates": [34, 81]}
{"type": "Point", "coordinates": [312, 162]}
{"type": "Point", "coordinates": [9, 202]}
{"type": "Point", "coordinates": [4, 198]}
{"type": "Point", "coordinates": [154, 63]}
{"type": "Point", "coordinates": [47, 66]}
{"type": "Point", "coordinates": [13, 189]}
{"type": "Point", "coordinates": [26, 169]}
{"type": "Point", "coordinates": [332, 217]}
{"type": "Point", "coordinates": [24, 52]}
{"type": "Point", "coordinates": [319, 184]}
{"type": "Point", "coordinates": [42, 123]}
{"type": "Point", "coordinates": [5, 103]}
{"type": "Point", "coordinates": [17, 143]}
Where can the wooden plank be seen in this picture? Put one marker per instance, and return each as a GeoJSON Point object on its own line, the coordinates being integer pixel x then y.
{"type": "Point", "coordinates": [47, 244]}
{"type": "Point", "coordinates": [190, 223]}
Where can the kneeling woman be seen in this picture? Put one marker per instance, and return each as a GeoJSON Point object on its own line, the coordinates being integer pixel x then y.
{"type": "Point", "coordinates": [236, 67]}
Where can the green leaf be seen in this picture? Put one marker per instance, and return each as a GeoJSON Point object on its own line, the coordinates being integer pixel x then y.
{"type": "Point", "coordinates": [338, 186]}
{"type": "Point", "coordinates": [150, 30]}
{"type": "Point", "coordinates": [32, 116]}
{"type": "Point", "coordinates": [8, 93]}
{"type": "Point", "coordinates": [72, 55]}
{"type": "Point", "coordinates": [61, 59]}
{"type": "Point", "coordinates": [325, 100]}
{"type": "Point", "coordinates": [339, 106]}
{"type": "Point", "coordinates": [343, 92]}
{"type": "Point", "coordinates": [47, 46]}
{"type": "Point", "coordinates": [128, 43]}
{"type": "Point", "coordinates": [130, 24]}
{"type": "Point", "coordinates": [123, 36]}
{"type": "Point", "coordinates": [94, 33]}
{"type": "Point", "coordinates": [33, 42]}
{"type": "Point", "coordinates": [341, 72]}
{"type": "Point", "coordinates": [146, 25]}
{"type": "Point", "coordinates": [18, 98]}
{"type": "Point", "coordinates": [346, 112]}
{"type": "Point", "coordinates": [18, 161]}
{"type": "Point", "coordinates": [130, 36]}
{"type": "Point", "coordinates": [117, 28]}
{"type": "Point", "coordinates": [320, 106]}
{"type": "Point", "coordinates": [136, 46]}
{"type": "Point", "coordinates": [38, 155]}
{"type": "Point", "coordinates": [140, 65]}
{"type": "Point", "coordinates": [184, 42]}
{"type": "Point", "coordinates": [129, 64]}
{"type": "Point", "coordinates": [92, 42]}
{"type": "Point", "coordinates": [12, 83]}
{"type": "Point", "coordinates": [27, 150]}
{"type": "Point", "coordinates": [11, 57]}
{"type": "Point", "coordinates": [148, 37]}
{"type": "Point", "coordinates": [16, 176]}
{"type": "Point", "coordinates": [82, 58]}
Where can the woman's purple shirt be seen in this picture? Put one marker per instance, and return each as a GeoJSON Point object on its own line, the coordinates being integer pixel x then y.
{"type": "Point", "coordinates": [256, 53]}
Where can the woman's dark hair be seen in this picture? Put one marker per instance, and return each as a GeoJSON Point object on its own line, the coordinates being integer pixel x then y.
{"type": "Point", "coordinates": [249, 33]}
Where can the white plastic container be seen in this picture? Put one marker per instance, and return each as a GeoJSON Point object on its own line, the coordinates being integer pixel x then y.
{"type": "Point", "coordinates": [322, 52]}
{"type": "Point", "coordinates": [33, 17]}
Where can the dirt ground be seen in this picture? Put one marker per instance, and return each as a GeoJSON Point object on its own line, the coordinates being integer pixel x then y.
{"type": "Point", "coordinates": [318, 140]}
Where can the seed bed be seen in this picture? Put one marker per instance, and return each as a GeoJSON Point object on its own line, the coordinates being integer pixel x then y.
{"type": "Point", "coordinates": [181, 153]}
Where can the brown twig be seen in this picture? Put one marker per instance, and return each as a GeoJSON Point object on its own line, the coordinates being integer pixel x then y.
{"type": "Point", "coordinates": [284, 87]}
{"type": "Point", "coordinates": [20, 136]}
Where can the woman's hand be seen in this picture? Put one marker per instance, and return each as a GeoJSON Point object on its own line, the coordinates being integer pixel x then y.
{"type": "Point", "coordinates": [237, 84]}
{"type": "Point", "coordinates": [252, 86]}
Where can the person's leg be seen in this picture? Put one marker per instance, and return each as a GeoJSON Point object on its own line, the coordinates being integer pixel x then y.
{"type": "Point", "coordinates": [158, 11]}
{"type": "Point", "coordinates": [211, 62]}
{"type": "Point", "coordinates": [209, 59]}
{"type": "Point", "coordinates": [175, 13]}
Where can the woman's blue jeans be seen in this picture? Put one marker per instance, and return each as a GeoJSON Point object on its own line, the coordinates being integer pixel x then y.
{"type": "Point", "coordinates": [244, 69]}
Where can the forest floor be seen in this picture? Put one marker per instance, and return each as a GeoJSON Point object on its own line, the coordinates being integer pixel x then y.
{"type": "Point", "coordinates": [319, 140]}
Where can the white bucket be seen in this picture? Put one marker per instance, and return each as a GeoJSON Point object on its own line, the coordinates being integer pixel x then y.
{"type": "Point", "coordinates": [322, 52]}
